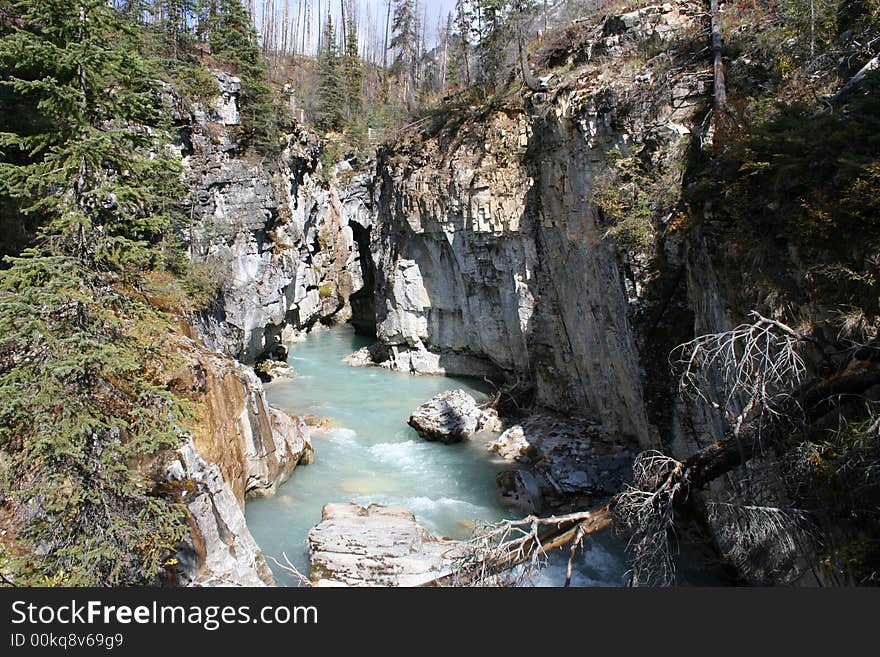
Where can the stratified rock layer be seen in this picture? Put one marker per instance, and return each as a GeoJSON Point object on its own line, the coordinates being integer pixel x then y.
{"type": "Point", "coordinates": [240, 447]}
{"type": "Point", "coordinates": [377, 545]}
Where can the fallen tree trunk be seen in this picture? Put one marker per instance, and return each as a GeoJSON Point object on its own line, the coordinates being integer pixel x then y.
{"type": "Point", "coordinates": [673, 487]}
{"type": "Point", "coordinates": [701, 468]}
{"type": "Point", "coordinates": [561, 530]}
{"type": "Point", "coordinates": [856, 80]}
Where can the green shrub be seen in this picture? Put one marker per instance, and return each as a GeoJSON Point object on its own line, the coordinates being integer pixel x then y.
{"type": "Point", "coordinates": [625, 202]}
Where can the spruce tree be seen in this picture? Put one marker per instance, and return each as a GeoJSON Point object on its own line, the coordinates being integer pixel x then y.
{"type": "Point", "coordinates": [84, 170]}
{"type": "Point", "coordinates": [460, 59]}
{"type": "Point", "coordinates": [78, 407]}
{"type": "Point", "coordinates": [353, 68]}
{"type": "Point", "coordinates": [330, 113]}
{"type": "Point", "coordinates": [494, 38]}
{"type": "Point", "coordinates": [404, 44]}
{"type": "Point", "coordinates": [233, 40]}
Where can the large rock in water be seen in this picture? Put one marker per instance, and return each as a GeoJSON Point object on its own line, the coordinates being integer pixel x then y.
{"type": "Point", "coordinates": [377, 545]}
{"type": "Point", "coordinates": [563, 461]}
{"type": "Point", "coordinates": [451, 417]}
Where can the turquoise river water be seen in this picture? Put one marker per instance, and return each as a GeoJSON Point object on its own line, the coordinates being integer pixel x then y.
{"type": "Point", "coordinates": [372, 455]}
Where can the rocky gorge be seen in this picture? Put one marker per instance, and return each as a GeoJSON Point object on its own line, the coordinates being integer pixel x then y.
{"type": "Point", "coordinates": [477, 244]}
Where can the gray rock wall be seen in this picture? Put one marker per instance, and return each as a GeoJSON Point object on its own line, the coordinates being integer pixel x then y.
{"type": "Point", "coordinates": [240, 447]}
{"type": "Point", "coordinates": [270, 232]}
{"type": "Point", "coordinates": [488, 241]}
{"type": "Point", "coordinates": [487, 244]}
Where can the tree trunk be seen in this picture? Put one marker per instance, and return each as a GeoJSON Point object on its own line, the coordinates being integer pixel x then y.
{"type": "Point", "coordinates": [854, 81]}
{"type": "Point", "coordinates": [720, 91]}
{"type": "Point", "coordinates": [528, 78]}
{"type": "Point", "coordinates": [385, 43]}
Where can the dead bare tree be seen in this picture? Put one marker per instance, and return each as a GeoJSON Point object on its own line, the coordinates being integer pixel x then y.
{"type": "Point", "coordinates": [872, 65]}
{"type": "Point", "coordinates": [753, 376]}
{"type": "Point", "coordinates": [743, 528]}
{"type": "Point", "coordinates": [747, 373]}
{"type": "Point", "coordinates": [646, 512]}
{"type": "Point", "coordinates": [511, 551]}
{"type": "Point", "coordinates": [288, 567]}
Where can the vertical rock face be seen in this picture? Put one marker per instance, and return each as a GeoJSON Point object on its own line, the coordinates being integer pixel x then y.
{"type": "Point", "coordinates": [221, 550]}
{"type": "Point", "coordinates": [270, 232]}
{"type": "Point", "coordinates": [489, 243]}
{"type": "Point", "coordinates": [255, 445]}
{"type": "Point", "coordinates": [240, 447]}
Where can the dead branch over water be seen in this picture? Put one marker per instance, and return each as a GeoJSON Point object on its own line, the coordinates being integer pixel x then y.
{"type": "Point", "coordinates": [753, 377]}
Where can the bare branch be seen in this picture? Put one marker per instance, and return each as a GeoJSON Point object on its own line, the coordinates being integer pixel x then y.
{"type": "Point", "coordinates": [290, 568]}
{"type": "Point", "coordinates": [511, 552]}
{"type": "Point", "coordinates": [748, 373]}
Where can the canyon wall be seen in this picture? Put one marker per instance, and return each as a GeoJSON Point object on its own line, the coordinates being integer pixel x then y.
{"type": "Point", "coordinates": [268, 230]}
{"type": "Point", "coordinates": [477, 244]}
{"type": "Point", "coordinates": [239, 447]}
{"type": "Point", "coordinates": [491, 254]}
{"type": "Point", "coordinates": [488, 242]}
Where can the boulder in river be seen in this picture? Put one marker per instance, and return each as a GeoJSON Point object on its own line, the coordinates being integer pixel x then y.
{"type": "Point", "coordinates": [378, 545]}
{"type": "Point", "coordinates": [562, 461]}
{"type": "Point", "coordinates": [451, 417]}
{"type": "Point", "coordinates": [320, 422]}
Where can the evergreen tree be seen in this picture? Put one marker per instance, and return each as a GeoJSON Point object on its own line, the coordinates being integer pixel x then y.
{"type": "Point", "coordinates": [494, 38]}
{"type": "Point", "coordinates": [78, 409]}
{"type": "Point", "coordinates": [81, 167]}
{"type": "Point", "coordinates": [404, 44]}
{"type": "Point", "coordinates": [233, 40]}
{"type": "Point", "coordinates": [460, 60]}
{"type": "Point", "coordinates": [353, 68]}
{"type": "Point", "coordinates": [330, 114]}
{"type": "Point", "coordinates": [175, 18]}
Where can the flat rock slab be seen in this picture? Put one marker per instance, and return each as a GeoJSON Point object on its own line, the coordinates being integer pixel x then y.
{"type": "Point", "coordinates": [451, 417]}
{"type": "Point", "coordinates": [561, 459]}
{"type": "Point", "coordinates": [378, 545]}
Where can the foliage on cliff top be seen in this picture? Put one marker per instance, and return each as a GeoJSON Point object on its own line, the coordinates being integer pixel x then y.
{"type": "Point", "coordinates": [233, 40]}
{"type": "Point", "coordinates": [794, 178]}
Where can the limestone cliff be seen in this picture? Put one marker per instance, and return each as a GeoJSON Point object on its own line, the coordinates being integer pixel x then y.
{"type": "Point", "coordinates": [492, 250]}
{"type": "Point", "coordinates": [270, 232]}
{"type": "Point", "coordinates": [483, 242]}
{"type": "Point", "coordinates": [488, 241]}
{"type": "Point", "coordinates": [240, 447]}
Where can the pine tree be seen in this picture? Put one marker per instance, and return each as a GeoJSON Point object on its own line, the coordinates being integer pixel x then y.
{"type": "Point", "coordinates": [353, 67]}
{"type": "Point", "coordinates": [83, 170]}
{"type": "Point", "coordinates": [78, 408]}
{"type": "Point", "coordinates": [404, 44]}
{"type": "Point", "coordinates": [464, 19]}
{"type": "Point", "coordinates": [233, 40]}
{"type": "Point", "coordinates": [330, 113]}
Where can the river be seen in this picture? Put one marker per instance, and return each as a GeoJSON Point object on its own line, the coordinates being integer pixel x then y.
{"type": "Point", "coordinates": [372, 455]}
